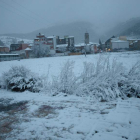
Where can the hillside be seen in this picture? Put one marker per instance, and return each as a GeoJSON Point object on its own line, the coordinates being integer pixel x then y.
{"type": "Point", "coordinates": [76, 29]}
{"type": "Point", "coordinates": [128, 28]}
{"type": "Point", "coordinates": [7, 40]}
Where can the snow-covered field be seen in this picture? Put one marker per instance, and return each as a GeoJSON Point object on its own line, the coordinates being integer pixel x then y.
{"type": "Point", "coordinates": [68, 117]}
{"type": "Point", "coordinates": [54, 64]}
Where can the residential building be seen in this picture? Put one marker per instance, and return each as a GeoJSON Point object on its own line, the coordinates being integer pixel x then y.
{"type": "Point", "coordinates": [108, 43]}
{"type": "Point", "coordinates": [119, 44]}
{"type": "Point", "coordinates": [134, 44]}
{"type": "Point", "coordinates": [51, 42]}
{"type": "Point", "coordinates": [60, 41]}
{"type": "Point", "coordinates": [28, 53]}
{"type": "Point", "coordinates": [9, 57]}
{"type": "Point", "coordinates": [4, 49]}
{"type": "Point", "coordinates": [61, 48]}
{"type": "Point", "coordinates": [67, 41]}
{"type": "Point", "coordinates": [18, 47]}
{"type": "Point", "coordinates": [45, 43]}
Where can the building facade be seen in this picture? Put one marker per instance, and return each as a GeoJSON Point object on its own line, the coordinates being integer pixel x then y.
{"type": "Point", "coordinates": [4, 49]}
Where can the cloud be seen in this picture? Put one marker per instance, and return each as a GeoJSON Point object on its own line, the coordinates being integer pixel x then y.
{"type": "Point", "coordinates": [28, 15]}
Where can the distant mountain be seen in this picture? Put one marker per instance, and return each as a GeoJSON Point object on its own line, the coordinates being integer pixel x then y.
{"type": "Point", "coordinates": [128, 28]}
{"type": "Point", "coordinates": [7, 40]}
{"type": "Point", "coordinates": [76, 29]}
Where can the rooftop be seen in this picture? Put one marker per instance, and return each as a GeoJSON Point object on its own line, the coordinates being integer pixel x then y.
{"type": "Point", "coordinates": [3, 47]}
{"type": "Point", "coordinates": [28, 49]}
{"type": "Point", "coordinates": [50, 36]}
{"type": "Point", "coordinates": [62, 45]}
{"type": "Point", "coordinates": [119, 41]}
{"type": "Point", "coordinates": [9, 54]}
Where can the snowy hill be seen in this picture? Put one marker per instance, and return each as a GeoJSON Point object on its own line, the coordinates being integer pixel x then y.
{"type": "Point", "coordinates": [7, 40]}
{"type": "Point", "coordinates": [128, 28]}
{"type": "Point", "coordinates": [76, 29]}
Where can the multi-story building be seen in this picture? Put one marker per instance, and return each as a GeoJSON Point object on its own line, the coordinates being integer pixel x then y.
{"type": "Point", "coordinates": [18, 47]}
{"type": "Point", "coordinates": [4, 49]}
{"type": "Point", "coordinates": [134, 44]}
{"type": "Point", "coordinates": [45, 43]}
{"type": "Point", "coordinates": [108, 43]}
{"type": "Point", "coordinates": [51, 42]}
{"type": "Point", "coordinates": [60, 41]}
{"type": "Point", "coordinates": [54, 43]}
{"type": "Point", "coordinates": [67, 42]}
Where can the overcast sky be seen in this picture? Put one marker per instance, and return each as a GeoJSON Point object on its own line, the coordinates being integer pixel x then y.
{"type": "Point", "coordinates": [23, 16]}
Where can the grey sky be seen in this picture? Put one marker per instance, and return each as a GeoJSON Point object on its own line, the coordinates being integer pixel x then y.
{"type": "Point", "coordinates": [22, 16]}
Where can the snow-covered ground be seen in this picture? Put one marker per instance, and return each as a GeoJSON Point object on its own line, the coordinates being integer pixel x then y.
{"type": "Point", "coordinates": [69, 117]}
{"type": "Point", "coordinates": [54, 64]}
{"type": "Point", "coordinates": [74, 118]}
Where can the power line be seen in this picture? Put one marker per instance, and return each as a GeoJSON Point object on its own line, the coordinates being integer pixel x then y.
{"type": "Point", "coordinates": [30, 10]}
{"type": "Point", "coordinates": [8, 18]}
{"type": "Point", "coordinates": [22, 13]}
{"type": "Point", "coordinates": [11, 21]}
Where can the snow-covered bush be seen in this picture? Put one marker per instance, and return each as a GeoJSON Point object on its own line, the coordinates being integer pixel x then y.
{"type": "Point", "coordinates": [19, 78]}
{"type": "Point", "coordinates": [131, 84]}
{"type": "Point", "coordinates": [102, 84]}
{"type": "Point", "coordinates": [66, 81]}
{"type": "Point", "coordinates": [88, 72]}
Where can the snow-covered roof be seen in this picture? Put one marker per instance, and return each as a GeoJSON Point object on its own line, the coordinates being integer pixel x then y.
{"type": "Point", "coordinates": [70, 36]}
{"type": "Point", "coordinates": [30, 44]}
{"type": "Point", "coordinates": [93, 43]}
{"type": "Point", "coordinates": [61, 38]}
{"type": "Point", "coordinates": [28, 49]}
{"type": "Point", "coordinates": [78, 45]}
{"type": "Point", "coordinates": [83, 44]}
{"type": "Point", "coordinates": [119, 41]}
{"type": "Point", "coordinates": [62, 45]}
{"type": "Point", "coordinates": [50, 37]}
{"type": "Point", "coordinates": [2, 46]}
{"type": "Point", "coordinates": [9, 54]}
{"type": "Point", "coordinates": [36, 38]}
{"type": "Point", "coordinates": [133, 39]}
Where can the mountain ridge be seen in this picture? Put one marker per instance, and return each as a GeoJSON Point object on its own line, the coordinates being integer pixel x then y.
{"type": "Point", "coordinates": [76, 29]}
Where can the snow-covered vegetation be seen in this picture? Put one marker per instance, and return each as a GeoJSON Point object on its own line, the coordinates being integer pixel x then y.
{"type": "Point", "coordinates": [103, 80]}
{"type": "Point", "coordinates": [21, 79]}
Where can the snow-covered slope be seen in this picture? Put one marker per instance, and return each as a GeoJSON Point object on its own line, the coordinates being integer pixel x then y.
{"type": "Point", "coordinates": [7, 40]}
{"type": "Point", "coordinates": [67, 117]}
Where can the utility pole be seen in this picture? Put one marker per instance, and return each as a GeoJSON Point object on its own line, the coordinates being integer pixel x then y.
{"type": "Point", "coordinates": [85, 46]}
{"type": "Point", "coordinates": [86, 41]}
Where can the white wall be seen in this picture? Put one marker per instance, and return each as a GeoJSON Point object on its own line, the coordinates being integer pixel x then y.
{"type": "Point", "coordinates": [120, 45]}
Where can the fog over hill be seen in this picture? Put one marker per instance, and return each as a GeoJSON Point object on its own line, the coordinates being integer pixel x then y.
{"type": "Point", "coordinates": [76, 29]}
{"type": "Point", "coordinates": [128, 28]}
